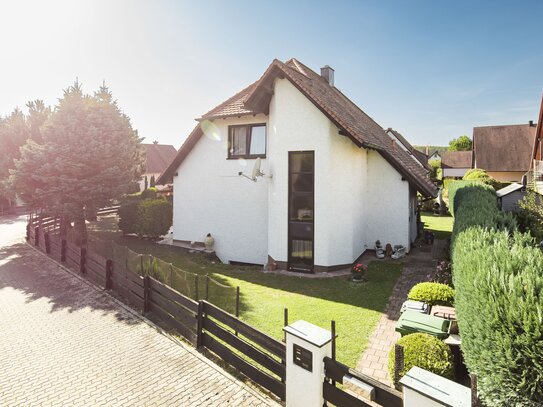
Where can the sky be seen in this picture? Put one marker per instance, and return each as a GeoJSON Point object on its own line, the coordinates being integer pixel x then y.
{"type": "Point", "coordinates": [430, 69]}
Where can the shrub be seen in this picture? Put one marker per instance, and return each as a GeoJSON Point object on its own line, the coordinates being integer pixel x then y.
{"type": "Point", "coordinates": [154, 217]}
{"type": "Point", "coordinates": [424, 351]}
{"type": "Point", "coordinates": [477, 174]}
{"type": "Point", "coordinates": [442, 274]}
{"type": "Point", "coordinates": [149, 193]}
{"type": "Point", "coordinates": [530, 215]}
{"type": "Point", "coordinates": [498, 276]}
{"type": "Point", "coordinates": [432, 293]}
{"type": "Point", "coordinates": [499, 304]}
{"type": "Point", "coordinates": [128, 214]}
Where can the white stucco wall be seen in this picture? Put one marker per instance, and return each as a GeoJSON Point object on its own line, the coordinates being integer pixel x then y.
{"type": "Point", "coordinates": [387, 197]}
{"type": "Point", "coordinates": [359, 196]}
{"type": "Point", "coordinates": [340, 169]}
{"type": "Point", "coordinates": [210, 197]}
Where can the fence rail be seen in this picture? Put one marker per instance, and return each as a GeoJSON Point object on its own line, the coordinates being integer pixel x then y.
{"type": "Point", "coordinates": [256, 355]}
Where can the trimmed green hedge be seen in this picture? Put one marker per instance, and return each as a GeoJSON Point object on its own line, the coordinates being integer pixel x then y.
{"type": "Point", "coordinates": [424, 351]}
{"type": "Point", "coordinates": [154, 217]}
{"type": "Point", "coordinates": [144, 214]}
{"type": "Point", "coordinates": [498, 276]}
{"type": "Point", "coordinates": [432, 293]}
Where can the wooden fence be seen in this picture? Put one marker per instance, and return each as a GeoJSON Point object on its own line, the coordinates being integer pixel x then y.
{"type": "Point", "coordinates": [256, 355]}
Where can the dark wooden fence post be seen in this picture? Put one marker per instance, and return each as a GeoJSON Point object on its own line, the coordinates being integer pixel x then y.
{"type": "Point", "coordinates": [237, 301]}
{"type": "Point", "coordinates": [196, 287]}
{"type": "Point", "coordinates": [109, 271]}
{"type": "Point", "coordinates": [474, 398]}
{"type": "Point", "coordinates": [333, 332]}
{"type": "Point", "coordinates": [28, 230]}
{"type": "Point", "coordinates": [398, 364]}
{"type": "Point", "coordinates": [63, 250]}
{"type": "Point", "coordinates": [146, 293]}
{"type": "Point", "coordinates": [200, 319]}
{"type": "Point", "coordinates": [83, 260]}
{"type": "Point", "coordinates": [47, 243]}
{"type": "Point", "coordinates": [37, 236]}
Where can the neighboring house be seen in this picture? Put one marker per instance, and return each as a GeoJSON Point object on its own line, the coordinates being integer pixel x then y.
{"type": "Point", "coordinates": [157, 159]}
{"type": "Point", "coordinates": [333, 181]}
{"type": "Point", "coordinates": [454, 164]}
{"type": "Point", "coordinates": [435, 156]}
{"type": "Point", "coordinates": [504, 152]}
{"type": "Point", "coordinates": [536, 165]}
{"type": "Point", "coordinates": [509, 197]}
{"type": "Point", "coordinates": [419, 157]}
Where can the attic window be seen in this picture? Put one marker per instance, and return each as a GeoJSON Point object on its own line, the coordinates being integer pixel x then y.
{"type": "Point", "coordinates": [247, 141]}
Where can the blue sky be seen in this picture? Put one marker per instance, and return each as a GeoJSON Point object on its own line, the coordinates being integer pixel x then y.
{"type": "Point", "coordinates": [431, 69]}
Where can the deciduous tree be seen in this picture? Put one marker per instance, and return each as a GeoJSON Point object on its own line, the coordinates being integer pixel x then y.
{"type": "Point", "coordinates": [462, 143]}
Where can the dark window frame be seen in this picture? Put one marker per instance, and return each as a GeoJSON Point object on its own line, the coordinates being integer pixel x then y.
{"type": "Point", "coordinates": [249, 133]}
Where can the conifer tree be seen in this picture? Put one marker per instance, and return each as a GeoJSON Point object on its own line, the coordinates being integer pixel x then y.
{"type": "Point", "coordinates": [89, 156]}
{"type": "Point", "coordinates": [152, 183]}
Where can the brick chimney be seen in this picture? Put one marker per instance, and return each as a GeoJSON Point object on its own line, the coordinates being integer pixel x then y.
{"type": "Point", "coordinates": [328, 73]}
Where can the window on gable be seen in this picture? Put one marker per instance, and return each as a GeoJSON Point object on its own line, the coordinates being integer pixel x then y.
{"type": "Point", "coordinates": [247, 141]}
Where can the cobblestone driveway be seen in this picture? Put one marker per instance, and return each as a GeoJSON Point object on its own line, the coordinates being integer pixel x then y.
{"type": "Point", "coordinates": [62, 342]}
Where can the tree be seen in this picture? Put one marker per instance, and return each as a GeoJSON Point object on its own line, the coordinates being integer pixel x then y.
{"type": "Point", "coordinates": [462, 143]}
{"type": "Point", "coordinates": [152, 183]}
{"type": "Point", "coordinates": [89, 156]}
{"type": "Point", "coordinates": [15, 130]}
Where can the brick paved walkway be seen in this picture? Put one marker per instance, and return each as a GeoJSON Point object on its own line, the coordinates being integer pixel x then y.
{"type": "Point", "coordinates": [374, 360]}
{"type": "Point", "coordinates": [65, 343]}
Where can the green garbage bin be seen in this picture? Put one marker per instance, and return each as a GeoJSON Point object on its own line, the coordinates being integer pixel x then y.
{"type": "Point", "coordinates": [411, 322]}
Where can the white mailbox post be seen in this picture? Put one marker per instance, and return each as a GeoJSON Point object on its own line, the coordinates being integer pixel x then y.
{"type": "Point", "coordinates": [425, 389]}
{"type": "Point", "coordinates": [307, 345]}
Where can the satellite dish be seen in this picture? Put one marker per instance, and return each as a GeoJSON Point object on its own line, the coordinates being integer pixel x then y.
{"type": "Point", "coordinates": [256, 171]}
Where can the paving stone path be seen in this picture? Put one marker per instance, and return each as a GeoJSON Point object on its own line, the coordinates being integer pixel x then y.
{"type": "Point", "coordinates": [374, 360]}
{"type": "Point", "coordinates": [63, 342]}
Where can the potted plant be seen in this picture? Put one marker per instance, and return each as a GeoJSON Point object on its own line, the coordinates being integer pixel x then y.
{"type": "Point", "coordinates": [359, 271]}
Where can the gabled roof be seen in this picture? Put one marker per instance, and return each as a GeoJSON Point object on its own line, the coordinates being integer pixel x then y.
{"type": "Point", "coordinates": [503, 148]}
{"type": "Point", "coordinates": [457, 159]}
{"type": "Point", "coordinates": [158, 157]}
{"type": "Point", "coordinates": [349, 118]}
{"type": "Point", "coordinates": [538, 145]}
{"type": "Point", "coordinates": [419, 155]}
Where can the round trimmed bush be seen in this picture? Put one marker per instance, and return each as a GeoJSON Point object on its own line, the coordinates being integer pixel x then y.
{"type": "Point", "coordinates": [424, 351]}
{"type": "Point", "coordinates": [432, 293]}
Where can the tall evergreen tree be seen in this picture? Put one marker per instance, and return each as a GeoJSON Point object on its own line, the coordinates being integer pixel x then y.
{"type": "Point", "coordinates": [152, 183]}
{"type": "Point", "coordinates": [89, 156]}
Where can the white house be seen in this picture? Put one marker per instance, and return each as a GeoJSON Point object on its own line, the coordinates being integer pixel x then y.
{"type": "Point", "coordinates": [333, 181]}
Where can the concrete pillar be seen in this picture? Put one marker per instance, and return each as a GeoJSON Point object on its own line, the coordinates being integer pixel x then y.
{"type": "Point", "coordinates": [307, 345]}
{"type": "Point", "coordinates": [425, 389]}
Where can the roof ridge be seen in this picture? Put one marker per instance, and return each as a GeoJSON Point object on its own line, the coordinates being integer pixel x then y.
{"type": "Point", "coordinates": [502, 125]}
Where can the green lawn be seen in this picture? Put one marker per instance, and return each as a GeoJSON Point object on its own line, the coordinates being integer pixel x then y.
{"type": "Point", "coordinates": [441, 225]}
{"type": "Point", "coordinates": [355, 307]}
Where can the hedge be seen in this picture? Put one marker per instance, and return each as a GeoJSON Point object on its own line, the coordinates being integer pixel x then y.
{"type": "Point", "coordinates": [432, 293]}
{"type": "Point", "coordinates": [154, 217]}
{"type": "Point", "coordinates": [145, 214]}
{"type": "Point", "coordinates": [498, 276]}
{"type": "Point", "coordinates": [424, 351]}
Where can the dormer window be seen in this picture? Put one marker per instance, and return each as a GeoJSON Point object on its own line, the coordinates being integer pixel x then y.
{"type": "Point", "coordinates": [247, 141]}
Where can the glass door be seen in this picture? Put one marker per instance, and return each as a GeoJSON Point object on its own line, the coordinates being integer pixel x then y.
{"type": "Point", "coordinates": [301, 206]}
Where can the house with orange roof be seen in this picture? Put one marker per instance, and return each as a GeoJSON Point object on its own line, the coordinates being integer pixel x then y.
{"type": "Point", "coordinates": [289, 171]}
